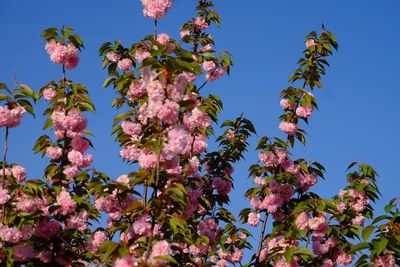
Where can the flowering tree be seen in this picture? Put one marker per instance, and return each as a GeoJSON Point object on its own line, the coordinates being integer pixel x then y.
{"type": "Point", "coordinates": [173, 208]}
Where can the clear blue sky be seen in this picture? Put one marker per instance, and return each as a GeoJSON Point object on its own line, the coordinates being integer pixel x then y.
{"type": "Point", "coordinates": [359, 108]}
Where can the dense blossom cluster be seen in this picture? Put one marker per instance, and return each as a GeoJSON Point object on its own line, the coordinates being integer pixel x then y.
{"type": "Point", "coordinates": [65, 54]}
{"type": "Point", "coordinates": [156, 8]}
{"type": "Point", "coordinates": [11, 117]}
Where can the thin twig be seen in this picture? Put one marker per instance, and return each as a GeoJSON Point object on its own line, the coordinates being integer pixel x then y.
{"type": "Point", "coordinates": [261, 238]}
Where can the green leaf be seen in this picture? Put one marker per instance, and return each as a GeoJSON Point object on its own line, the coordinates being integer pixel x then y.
{"type": "Point", "coordinates": [367, 231]}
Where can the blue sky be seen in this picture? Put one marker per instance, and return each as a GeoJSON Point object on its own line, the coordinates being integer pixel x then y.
{"type": "Point", "coordinates": [358, 118]}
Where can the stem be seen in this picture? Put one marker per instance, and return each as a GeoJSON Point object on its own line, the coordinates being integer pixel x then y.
{"type": "Point", "coordinates": [145, 193]}
{"type": "Point", "coordinates": [155, 191]}
{"type": "Point", "coordinates": [308, 241]}
{"type": "Point", "coordinates": [155, 29]}
{"type": "Point", "coordinates": [5, 149]}
{"type": "Point", "coordinates": [261, 238]}
{"type": "Point", "coordinates": [4, 169]}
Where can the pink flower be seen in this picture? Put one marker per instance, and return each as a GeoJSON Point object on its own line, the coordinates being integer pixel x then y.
{"type": "Point", "coordinates": [384, 261]}
{"type": "Point", "coordinates": [209, 66]}
{"type": "Point", "coordinates": [230, 134]}
{"type": "Point", "coordinates": [302, 221]}
{"type": "Point", "coordinates": [71, 59]}
{"type": "Point", "coordinates": [141, 55]}
{"type": "Point", "coordinates": [78, 221]}
{"type": "Point", "coordinates": [141, 227]}
{"type": "Point", "coordinates": [49, 93]}
{"type": "Point", "coordinates": [169, 112]}
{"type": "Point", "coordinates": [10, 234]}
{"type": "Point", "coordinates": [131, 128]}
{"type": "Point", "coordinates": [75, 157]}
{"type": "Point", "coordinates": [80, 144]}
{"type": "Point", "coordinates": [58, 53]}
{"type": "Point", "coordinates": [358, 220]}
{"type": "Point", "coordinates": [147, 160]}
{"type": "Point", "coordinates": [288, 127]}
{"type": "Point", "coordinates": [66, 203]}
{"type": "Point", "coordinates": [163, 38]}
{"type": "Point", "coordinates": [273, 158]}
{"type": "Point", "coordinates": [259, 181]}
{"type": "Point", "coordinates": [63, 54]}
{"type": "Point", "coordinates": [222, 187]}
{"type": "Point", "coordinates": [206, 48]}
{"type": "Point", "coordinates": [208, 228]}
{"type": "Point", "coordinates": [342, 258]}
{"type": "Point", "coordinates": [4, 196]}
{"type": "Point", "coordinates": [215, 74]}
{"type": "Point", "coordinates": [124, 179]}
{"type": "Point", "coordinates": [130, 153]}
{"type": "Point", "coordinates": [54, 152]}
{"type": "Point", "coordinates": [156, 9]}
{"type": "Point", "coordinates": [201, 23]}
{"type": "Point", "coordinates": [319, 225]}
{"type": "Point", "coordinates": [304, 111]}
{"type": "Point", "coordinates": [71, 172]}
{"type": "Point", "coordinates": [184, 33]}
{"type": "Point", "coordinates": [178, 139]}
{"type": "Point", "coordinates": [341, 207]}
{"type": "Point", "coordinates": [253, 218]}
{"type": "Point", "coordinates": [290, 167]}
{"type": "Point", "coordinates": [98, 238]}
{"type": "Point", "coordinates": [23, 252]}
{"type": "Point", "coordinates": [263, 254]}
{"type": "Point", "coordinates": [50, 46]}
{"type": "Point", "coordinates": [47, 229]}
{"type": "Point", "coordinates": [310, 42]}
{"type": "Point", "coordinates": [136, 89]}
{"type": "Point", "coordinates": [125, 64]}
{"type": "Point", "coordinates": [198, 119]}
{"type": "Point", "coordinates": [11, 118]}
{"type": "Point", "coordinates": [161, 248]}
{"type": "Point", "coordinates": [113, 57]}
{"type": "Point", "coordinates": [127, 261]}
{"type": "Point", "coordinates": [18, 172]}
{"type": "Point", "coordinates": [45, 256]}
{"type": "Point", "coordinates": [285, 104]}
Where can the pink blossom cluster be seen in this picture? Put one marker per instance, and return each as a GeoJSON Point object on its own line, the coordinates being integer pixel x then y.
{"type": "Point", "coordinates": [287, 104]}
{"type": "Point", "coordinates": [278, 195]}
{"type": "Point", "coordinates": [16, 171]}
{"type": "Point", "coordinates": [353, 198]}
{"type": "Point", "coordinates": [201, 23]}
{"type": "Point", "coordinates": [288, 127]}
{"type": "Point", "coordinates": [66, 54]}
{"type": "Point", "coordinates": [208, 228]}
{"type": "Point", "coordinates": [321, 246]}
{"type": "Point", "coordinates": [49, 93]}
{"type": "Point", "coordinates": [279, 243]}
{"type": "Point", "coordinates": [310, 43]}
{"type": "Point", "coordinates": [11, 117]}
{"type": "Point", "coordinates": [214, 72]}
{"type": "Point", "coordinates": [164, 39]}
{"type": "Point", "coordinates": [317, 224]}
{"type": "Point", "coordinates": [156, 9]}
{"type": "Point", "coordinates": [113, 204]}
{"type": "Point", "coordinates": [304, 111]}
{"type": "Point", "coordinates": [70, 124]}
{"type": "Point", "coordinates": [385, 261]}
{"type": "Point", "coordinates": [273, 158]}
{"type": "Point", "coordinates": [124, 64]}
{"type": "Point", "coordinates": [222, 187]}
{"type": "Point", "coordinates": [343, 258]}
